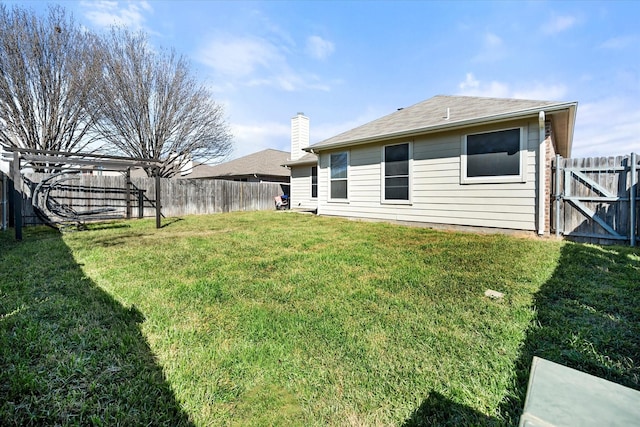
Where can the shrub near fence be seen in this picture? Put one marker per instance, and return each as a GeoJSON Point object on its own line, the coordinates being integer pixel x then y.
{"type": "Point", "coordinates": [178, 196]}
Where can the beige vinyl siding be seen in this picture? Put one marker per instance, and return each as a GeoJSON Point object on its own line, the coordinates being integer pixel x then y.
{"type": "Point", "coordinates": [436, 194]}
{"type": "Point", "coordinates": [301, 188]}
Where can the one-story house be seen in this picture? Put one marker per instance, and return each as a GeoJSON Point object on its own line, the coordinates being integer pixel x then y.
{"type": "Point", "coordinates": [451, 161]}
{"type": "Point", "coordinates": [263, 166]}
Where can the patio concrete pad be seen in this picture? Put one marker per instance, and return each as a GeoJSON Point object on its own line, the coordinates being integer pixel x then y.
{"type": "Point", "coordinates": [559, 396]}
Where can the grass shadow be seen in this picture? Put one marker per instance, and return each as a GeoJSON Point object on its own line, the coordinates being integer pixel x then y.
{"type": "Point", "coordinates": [588, 318]}
{"type": "Point", "coordinates": [112, 240]}
{"type": "Point", "coordinates": [107, 225]}
{"type": "Point", "coordinates": [438, 410]}
{"type": "Point", "coordinates": [170, 221]}
{"type": "Point", "coordinates": [69, 353]}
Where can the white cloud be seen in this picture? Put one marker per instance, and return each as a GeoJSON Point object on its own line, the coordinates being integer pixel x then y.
{"type": "Point", "coordinates": [470, 83]}
{"type": "Point", "coordinates": [319, 48]}
{"type": "Point", "coordinates": [492, 49]}
{"type": "Point", "coordinates": [239, 57]}
{"type": "Point", "coordinates": [495, 89]}
{"type": "Point", "coordinates": [541, 91]}
{"type": "Point", "coordinates": [273, 30]}
{"type": "Point", "coordinates": [558, 24]}
{"type": "Point", "coordinates": [619, 43]}
{"type": "Point", "coordinates": [288, 81]}
{"type": "Point", "coordinates": [608, 127]}
{"type": "Point", "coordinates": [105, 13]}
{"type": "Point", "coordinates": [255, 61]}
{"type": "Point", "coordinates": [492, 41]}
{"type": "Point", "coordinates": [473, 87]}
{"type": "Point", "coordinates": [328, 130]}
{"type": "Point", "coordinates": [253, 137]}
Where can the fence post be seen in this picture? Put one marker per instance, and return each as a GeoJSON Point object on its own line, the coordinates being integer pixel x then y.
{"type": "Point", "coordinates": [558, 195]}
{"type": "Point", "coordinates": [158, 206]}
{"type": "Point", "coordinates": [633, 192]}
{"type": "Point", "coordinates": [140, 204]}
{"type": "Point", "coordinates": [17, 196]}
{"type": "Point", "coordinates": [127, 193]}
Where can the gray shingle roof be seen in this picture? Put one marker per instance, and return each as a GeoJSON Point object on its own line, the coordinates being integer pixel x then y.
{"type": "Point", "coordinates": [307, 159]}
{"type": "Point", "coordinates": [265, 162]}
{"type": "Point", "coordinates": [431, 115]}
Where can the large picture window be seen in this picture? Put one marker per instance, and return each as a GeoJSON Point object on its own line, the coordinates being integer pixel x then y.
{"type": "Point", "coordinates": [396, 172]}
{"type": "Point", "coordinates": [314, 181]}
{"type": "Point", "coordinates": [338, 166]}
{"type": "Point", "coordinates": [493, 156]}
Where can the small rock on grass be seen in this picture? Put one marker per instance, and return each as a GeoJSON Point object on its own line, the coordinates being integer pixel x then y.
{"type": "Point", "coordinates": [493, 294]}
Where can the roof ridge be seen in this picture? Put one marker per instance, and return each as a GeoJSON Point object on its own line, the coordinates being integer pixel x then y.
{"type": "Point", "coordinates": [494, 98]}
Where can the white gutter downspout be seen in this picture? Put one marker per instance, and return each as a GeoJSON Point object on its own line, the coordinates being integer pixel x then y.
{"type": "Point", "coordinates": [542, 163]}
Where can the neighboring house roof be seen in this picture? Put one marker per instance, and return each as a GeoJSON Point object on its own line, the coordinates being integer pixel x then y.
{"type": "Point", "coordinates": [199, 170]}
{"type": "Point", "coordinates": [263, 163]}
{"type": "Point", "coordinates": [307, 159]}
{"type": "Point", "coordinates": [446, 112]}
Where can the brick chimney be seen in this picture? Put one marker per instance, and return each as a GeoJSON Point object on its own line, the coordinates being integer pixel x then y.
{"type": "Point", "coordinates": [299, 135]}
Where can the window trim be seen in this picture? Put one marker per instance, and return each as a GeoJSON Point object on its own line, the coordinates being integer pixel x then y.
{"type": "Point", "coordinates": [339, 200]}
{"type": "Point", "coordinates": [383, 199]}
{"type": "Point", "coordinates": [312, 184]}
{"type": "Point", "coordinates": [522, 152]}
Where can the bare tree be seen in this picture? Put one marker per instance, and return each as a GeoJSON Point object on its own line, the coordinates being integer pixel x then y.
{"type": "Point", "coordinates": [152, 107]}
{"type": "Point", "coordinates": [47, 73]}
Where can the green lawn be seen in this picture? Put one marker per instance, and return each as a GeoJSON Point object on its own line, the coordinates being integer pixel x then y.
{"type": "Point", "coordinates": [272, 318]}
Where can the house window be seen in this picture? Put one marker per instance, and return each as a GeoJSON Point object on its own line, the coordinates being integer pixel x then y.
{"type": "Point", "coordinates": [396, 172]}
{"type": "Point", "coordinates": [338, 165]}
{"type": "Point", "coordinates": [493, 157]}
{"type": "Point", "coordinates": [314, 181]}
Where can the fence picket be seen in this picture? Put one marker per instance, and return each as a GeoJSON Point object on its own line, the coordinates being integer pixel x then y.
{"type": "Point", "coordinates": [178, 196]}
{"type": "Point", "coordinates": [598, 199]}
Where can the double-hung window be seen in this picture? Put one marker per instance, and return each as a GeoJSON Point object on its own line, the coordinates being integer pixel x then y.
{"type": "Point", "coordinates": [314, 182]}
{"type": "Point", "coordinates": [339, 169]}
{"type": "Point", "coordinates": [497, 156]}
{"type": "Point", "coordinates": [396, 170]}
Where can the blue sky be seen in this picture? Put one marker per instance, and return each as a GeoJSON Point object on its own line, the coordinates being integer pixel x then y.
{"type": "Point", "coordinates": [346, 63]}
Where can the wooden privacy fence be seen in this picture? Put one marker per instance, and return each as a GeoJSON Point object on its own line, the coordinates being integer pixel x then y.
{"type": "Point", "coordinates": [112, 197]}
{"type": "Point", "coordinates": [596, 199]}
{"type": "Point", "coordinates": [192, 196]}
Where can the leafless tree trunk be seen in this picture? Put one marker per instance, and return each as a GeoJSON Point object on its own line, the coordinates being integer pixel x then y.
{"type": "Point", "coordinates": [152, 107]}
{"type": "Point", "coordinates": [47, 73]}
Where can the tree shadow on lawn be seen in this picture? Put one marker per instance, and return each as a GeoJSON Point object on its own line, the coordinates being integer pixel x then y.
{"type": "Point", "coordinates": [588, 318]}
{"type": "Point", "coordinates": [438, 410]}
{"type": "Point", "coordinates": [69, 353]}
{"type": "Point", "coordinates": [170, 221]}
